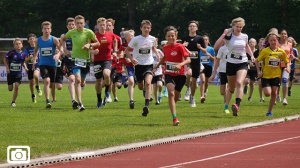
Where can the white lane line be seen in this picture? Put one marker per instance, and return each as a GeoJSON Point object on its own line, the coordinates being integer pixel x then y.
{"type": "Point", "coordinates": [231, 153]}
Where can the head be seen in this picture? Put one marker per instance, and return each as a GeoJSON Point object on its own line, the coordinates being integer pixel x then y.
{"type": "Point", "coordinates": [18, 44]}
{"type": "Point", "coordinates": [101, 23]}
{"type": "Point", "coordinates": [252, 43]}
{"type": "Point", "coordinates": [31, 38]}
{"type": "Point", "coordinates": [237, 24]}
{"type": "Point", "coordinates": [46, 28]}
{"type": "Point", "coordinates": [145, 27]}
{"type": "Point", "coordinates": [129, 34]}
{"type": "Point", "coordinates": [193, 26]}
{"type": "Point", "coordinates": [70, 23]}
{"type": "Point", "coordinates": [293, 41]}
{"type": "Point", "coordinates": [110, 25]}
{"type": "Point", "coordinates": [273, 30]}
{"type": "Point", "coordinates": [261, 42]}
{"type": "Point", "coordinates": [283, 35]}
{"type": "Point", "coordinates": [272, 39]}
{"type": "Point", "coordinates": [79, 22]}
{"type": "Point", "coordinates": [171, 34]}
{"type": "Point", "coordinates": [206, 40]}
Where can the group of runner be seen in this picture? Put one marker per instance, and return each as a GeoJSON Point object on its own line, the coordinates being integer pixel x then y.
{"type": "Point", "coordinates": [184, 61]}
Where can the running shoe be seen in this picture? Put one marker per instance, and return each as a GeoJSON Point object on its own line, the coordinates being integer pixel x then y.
{"type": "Point", "coordinates": [262, 100]}
{"type": "Point", "coordinates": [235, 109]}
{"type": "Point", "coordinates": [269, 114]}
{"type": "Point", "coordinates": [157, 103]}
{"type": "Point", "coordinates": [249, 99]}
{"type": "Point", "coordinates": [131, 104]}
{"type": "Point", "coordinates": [145, 111]}
{"type": "Point", "coordinates": [226, 111]}
{"type": "Point", "coordinates": [13, 104]}
{"type": "Point", "coordinates": [108, 99]}
{"type": "Point", "coordinates": [165, 92]}
{"type": "Point", "coordinates": [179, 98]}
{"type": "Point", "coordinates": [33, 98]}
{"type": "Point", "coordinates": [175, 122]}
{"type": "Point", "coordinates": [202, 99]}
{"type": "Point", "coordinates": [159, 98]}
{"type": "Point", "coordinates": [187, 95]}
{"type": "Point", "coordinates": [83, 86]}
{"type": "Point", "coordinates": [104, 101]}
{"type": "Point", "coordinates": [53, 101]}
{"type": "Point", "coordinates": [81, 107]}
{"type": "Point", "coordinates": [74, 104]}
{"type": "Point", "coordinates": [116, 99]}
{"type": "Point", "coordinates": [192, 101]}
{"type": "Point", "coordinates": [99, 105]}
{"type": "Point", "coordinates": [289, 93]}
{"type": "Point", "coordinates": [278, 99]}
{"type": "Point", "coordinates": [48, 105]}
{"type": "Point", "coordinates": [284, 102]}
{"type": "Point", "coordinates": [205, 93]}
{"type": "Point", "coordinates": [245, 89]}
{"type": "Point", "coordinates": [39, 91]}
{"type": "Point", "coordinates": [125, 84]}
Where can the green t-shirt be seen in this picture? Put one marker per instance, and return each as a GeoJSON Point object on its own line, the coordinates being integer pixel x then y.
{"type": "Point", "coordinates": [79, 39]}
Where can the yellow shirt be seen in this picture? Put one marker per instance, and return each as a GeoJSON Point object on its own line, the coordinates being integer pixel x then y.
{"type": "Point", "coordinates": [271, 62]}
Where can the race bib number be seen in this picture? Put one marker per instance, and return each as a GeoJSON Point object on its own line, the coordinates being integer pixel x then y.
{"type": "Point", "coordinates": [170, 66]}
{"type": "Point", "coordinates": [80, 62]}
{"type": "Point", "coordinates": [15, 67]}
{"type": "Point", "coordinates": [46, 51]}
{"type": "Point", "coordinates": [58, 63]}
{"type": "Point", "coordinates": [195, 55]}
{"type": "Point", "coordinates": [97, 68]}
{"type": "Point", "coordinates": [273, 62]}
{"type": "Point", "coordinates": [236, 56]}
{"type": "Point", "coordinates": [144, 51]}
{"type": "Point", "coordinates": [205, 59]}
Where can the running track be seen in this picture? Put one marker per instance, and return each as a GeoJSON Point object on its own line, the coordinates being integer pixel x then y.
{"type": "Point", "coordinates": [276, 146]}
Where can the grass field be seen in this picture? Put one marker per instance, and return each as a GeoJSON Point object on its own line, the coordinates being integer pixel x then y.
{"type": "Point", "coordinates": [64, 130]}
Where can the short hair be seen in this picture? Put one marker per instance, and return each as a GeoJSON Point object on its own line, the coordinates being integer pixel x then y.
{"type": "Point", "coordinates": [253, 39]}
{"type": "Point", "coordinates": [272, 34]}
{"type": "Point", "coordinates": [30, 35]}
{"type": "Point", "coordinates": [294, 43]}
{"type": "Point", "coordinates": [170, 28]}
{"type": "Point", "coordinates": [112, 21]}
{"type": "Point", "coordinates": [102, 19]}
{"type": "Point", "coordinates": [79, 17]}
{"type": "Point", "coordinates": [237, 20]}
{"type": "Point", "coordinates": [70, 19]}
{"type": "Point", "coordinates": [145, 22]}
{"type": "Point", "coordinates": [129, 32]}
{"type": "Point", "coordinates": [273, 29]}
{"type": "Point", "coordinates": [194, 21]}
{"type": "Point", "coordinates": [17, 39]}
{"type": "Point", "coordinates": [46, 23]}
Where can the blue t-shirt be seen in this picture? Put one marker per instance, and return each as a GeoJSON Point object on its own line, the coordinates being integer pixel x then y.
{"type": "Point", "coordinates": [295, 52]}
{"type": "Point", "coordinates": [30, 51]}
{"type": "Point", "coordinates": [15, 61]}
{"type": "Point", "coordinates": [47, 51]}
{"type": "Point", "coordinates": [205, 59]}
{"type": "Point", "coordinates": [68, 60]}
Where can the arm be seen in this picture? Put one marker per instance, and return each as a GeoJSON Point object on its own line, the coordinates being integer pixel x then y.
{"type": "Point", "coordinates": [25, 66]}
{"type": "Point", "coordinates": [36, 49]}
{"type": "Point", "coordinates": [88, 46]}
{"type": "Point", "coordinates": [216, 65]}
{"type": "Point", "coordinates": [5, 60]}
{"type": "Point", "coordinates": [249, 51]}
{"type": "Point", "coordinates": [187, 60]}
{"type": "Point", "coordinates": [134, 61]}
{"type": "Point", "coordinates": [162, 60]}
{"type": "Point", "coordinates": [115, 47]}
{"type": "Point", "coordinates": [63, 46]}
{"type": "Point", "coordinates": [57, 53]}
{"type": "Point", "coordinates": [259, 73]}
{"type": "Point", "coordinates": [220, 42]}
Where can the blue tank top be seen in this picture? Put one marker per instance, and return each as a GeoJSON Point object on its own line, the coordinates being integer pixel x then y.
{"type": "Point", "coordinates": [47, 51]}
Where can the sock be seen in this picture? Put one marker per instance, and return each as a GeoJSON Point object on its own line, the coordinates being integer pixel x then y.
{"type": "Point", "coordinates": [289, 88]}
{"type": "Point", "coordinates": [37, 87]}
{"type": "Point", "coordinates": [147, 102]}
{"type": "Point", "coordinates": [159, 94]}
{"type": "Point", "coordinates": [226, 106]}
{"type": "Point", "coordinates": [33, 95]}
{"type": "Point", "coordinates": [174, 116]}
{"type": "Point", "coordinates": [106, 90]}
{"type": "Point", "coordinates": [99, 97]}
{"type": "Point", "coordinates": [238, 101]}
{"type": "Point", "coordinates": [47, 101]}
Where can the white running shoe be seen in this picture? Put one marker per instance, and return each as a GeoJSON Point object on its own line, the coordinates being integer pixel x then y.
{"type": "Point", "coordinates": [108, 99]}
{"type": "Point", "coordinates": [284, 102]}
{"type": "Point", "coordinates": [192, 102]}
{"type": "Point", "coordinates": [278, 99]}
{"type": "Point", "coordinates": [187, 95]}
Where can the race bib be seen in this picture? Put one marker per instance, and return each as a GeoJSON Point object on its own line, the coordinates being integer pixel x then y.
{"type": "Point", "coordinates": [15, 67]}
{"type": "Point", "coordinates": [236, 56]}
{"type": "Point", "coordinates": [205, 59]}
{"type": "Point", "coordinates": [194, 56]}
{"type": "Point", "coordinates": [170, 66]}
{"type": "Point", "coordinates": [46, 51]}
{"type": "Point", "coordinates": [273, 62]}
{"type": "Point", "coordinates": [80, 62]}
{"type": "Point", "coordinates": [58, 63]}
{"type": "Point", "coordinates": [97, 68]}
{"type": "Point", "coordinates": [144, 51]}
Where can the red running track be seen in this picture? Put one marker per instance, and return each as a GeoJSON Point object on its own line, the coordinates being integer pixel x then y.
{"type": "Point", "coordinates": [274, 146]}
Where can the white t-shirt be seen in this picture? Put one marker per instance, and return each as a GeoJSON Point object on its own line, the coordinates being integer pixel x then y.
{"type": "Point", "coordinates": [237, 49]}
{"type": "Point", "coordinates": [142, 49]}
{"type": "Point", "coordinates": [156, 61]}
{"type": "Point", "coordinates": [223, 51]}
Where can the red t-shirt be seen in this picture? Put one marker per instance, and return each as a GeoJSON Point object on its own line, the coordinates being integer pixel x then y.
{"type": "Point", "coordinates": [122, 48]}
{"type": "Point", "coordinates": [106, 41]}
{"type": "Point", "coordinates": [174, 54]}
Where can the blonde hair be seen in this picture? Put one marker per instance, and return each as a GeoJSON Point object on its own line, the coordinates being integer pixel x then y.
{"type": "Point", "coordinates": [112, 21]}
{"type": "Point", "coordinates": [102, 19]}
{"type": "Point", "coordinates": [17, 39]}
{"type": "Point", "coordinates": [252, 39]}
{"type": "Point", "coordinates": [129, 32]}
{"type": "Point", "coordinates": [79, 17]}
{"type": "Point", "coordinates": [46, 23]}
{"type": "Point", "coordinates": [70, 19]}
{"type": "Point", "coordinates": [294, 43]}
{"type": "Point", "coordinates": [272, 34]}
{"type": "Point", "coordinates": [274, 30]}
{"type": "Point", "coordinates": [237, 20]}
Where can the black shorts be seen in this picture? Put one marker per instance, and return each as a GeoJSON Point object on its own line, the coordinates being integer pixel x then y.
{"type": "Point", "coordinates": [59, 77]}
{"type": "Point", "coordinates": [195, 66]}
{"type": "Point", "coordinates": [48, 72]}
{"type": "Point", "coordinates": [30, 74]}
{"type": "Point", "coordinates": [11, 79]}
{"type": "Point", "coordinates": [99, 66]}
{"type": "Point", "coordinates": [292, 73]}
{"type": "Point", "coordinates": [117, 78]}
{"type": "Point", "coordinates": [157, 78]}
{"type": "Point", "coordinates": [141, 71]}
{"type": "Point", "coordinates": [178, 81]}
{"type": "Point", "coordinates": [252, 75]}
{"type": "Point", "coordinates": [270, 82]}
{"type": "Point", "coordinates": [207, 70]}
{"type": "Point", "coordinates": [231, 68]}
{"type": "Point", "coordinates": [68, 70]}
{"type": "Point", "coordinates": [223, 78]}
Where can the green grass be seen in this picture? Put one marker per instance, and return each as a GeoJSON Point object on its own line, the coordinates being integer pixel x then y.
{"type": "Point", "coordinates": [64, 130]}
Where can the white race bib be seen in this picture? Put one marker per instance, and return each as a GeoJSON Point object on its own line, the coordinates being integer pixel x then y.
{"type": "Point", "coordinates": [170, 66]}
{"type": "Point", "coordinates": [205, 59]}
{"type": "Point", "coordinates": [15, 67]}
{"type": "Point", "coordinates": [273, 62]}
{"type": "Point", "coordinates": [97, 68]}
{"type": "Point", "coordinates": [196, 55]}
{"type": "Point", "coordinates": [46, 51]}
{"type": "Point", "coordinates": [80, 62]}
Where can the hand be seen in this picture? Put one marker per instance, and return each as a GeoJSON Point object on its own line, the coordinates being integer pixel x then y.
{"type": "Point", "coordinates": [177, 68]}
{"type": "Point", "coordinates": [212, 77]}
{"type": "Point", "coordinates": [86, 47]}
{"type": "Point", "coordinates": [67, 53]}
{"type": "Point", "coordinates": [56, 57]}
{"type": "Point", "coordinates": [128, 60]}
{"type": "Point", "coordinates": [7, 70]}
{"type": "Point", "coordinates": [259, 74]}
{"type": "Point", "coordinates": [185, 44]}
